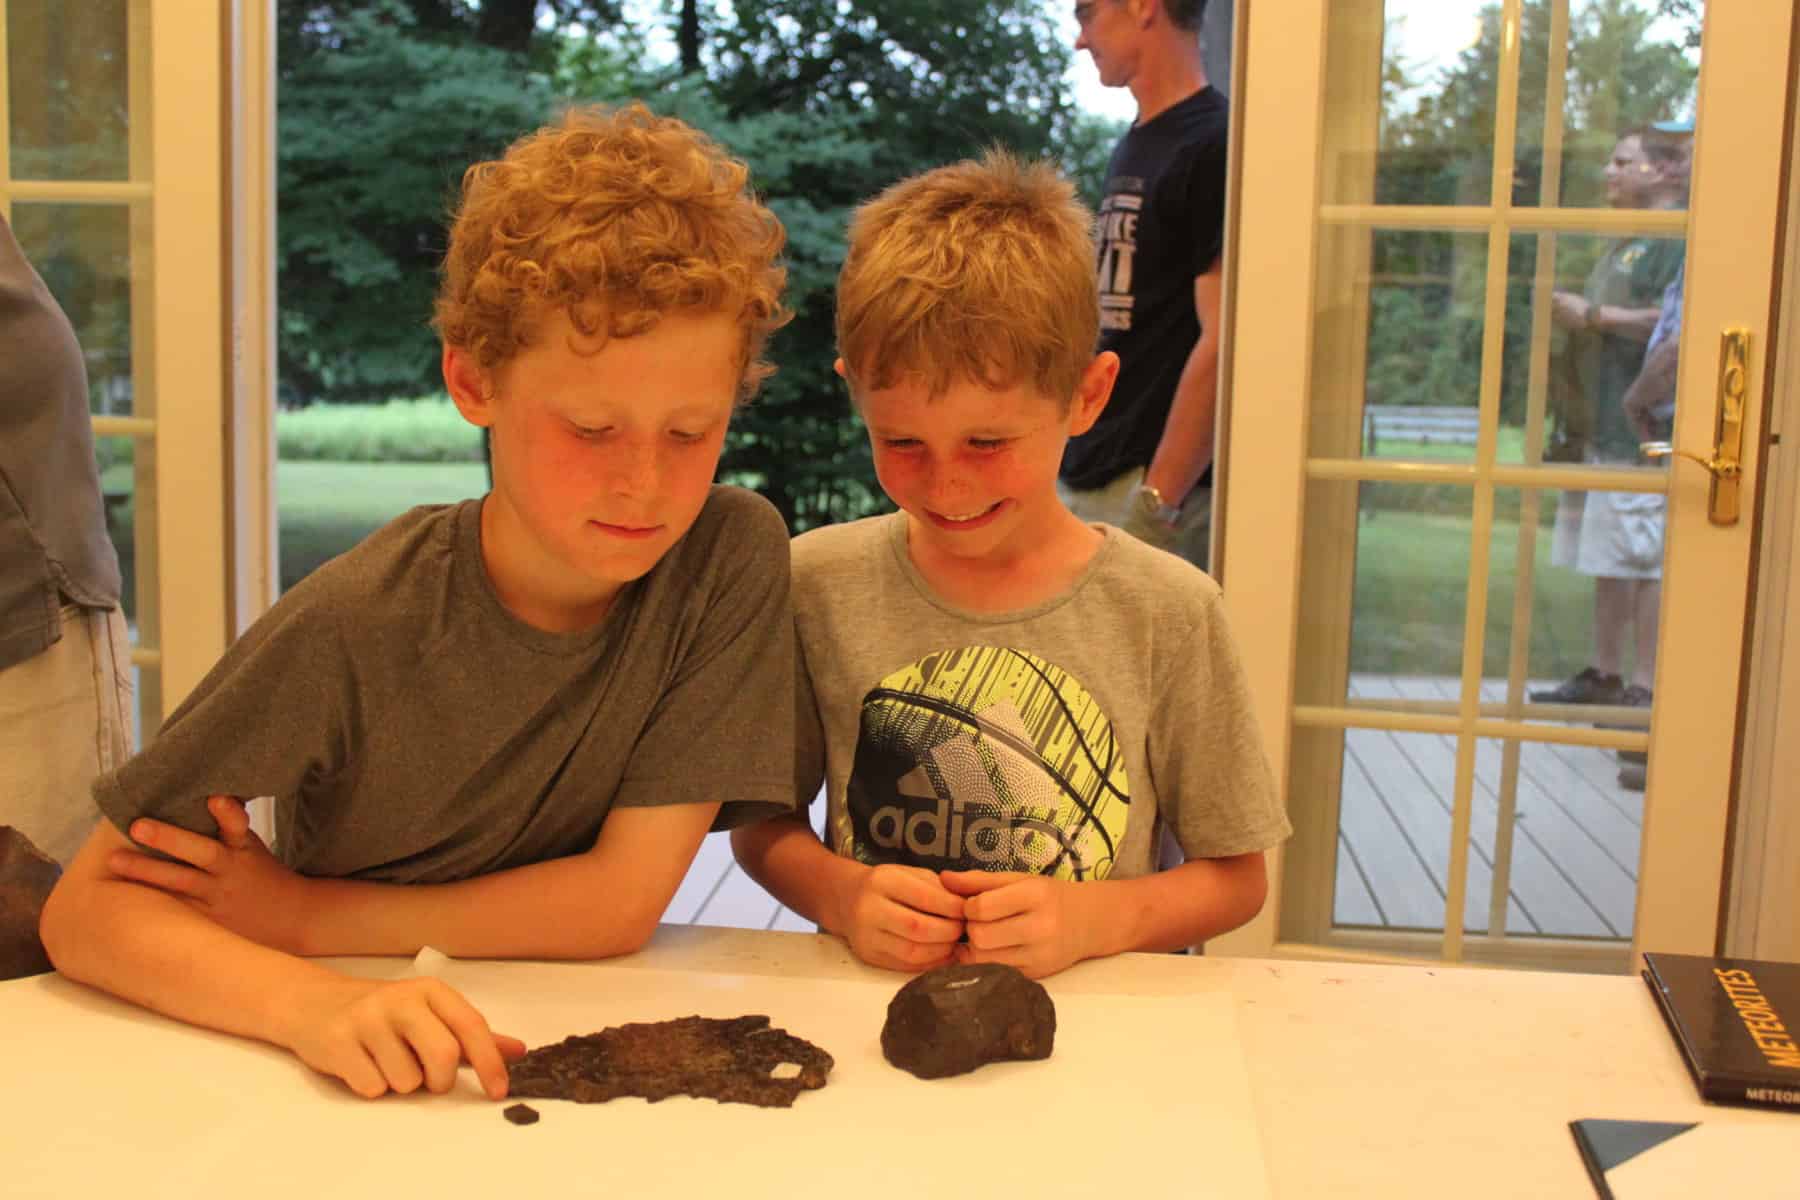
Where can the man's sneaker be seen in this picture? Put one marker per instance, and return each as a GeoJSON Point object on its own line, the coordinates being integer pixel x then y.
{"type": "Point", "coordinates": [1631, 777]}
{"type": "Point", "coordinates": [1590, 686]}
{"type": "Point", "coordinates": [1636, 696]}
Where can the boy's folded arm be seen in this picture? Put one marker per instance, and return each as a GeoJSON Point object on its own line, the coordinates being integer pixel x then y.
{"type": "Point", "coordinates": [148, 947]}
{"type": "Point", "coordinates": [1182, 906]}
{"type": "Point", "coordinates": [605, 901]}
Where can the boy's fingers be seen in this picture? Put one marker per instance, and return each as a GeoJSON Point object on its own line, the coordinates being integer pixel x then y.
{"type": "Point", "coordinates": [435, 1048]}
{"type": "Point", "coordinates": [973, 883]}
{"type": "Point", "coordinates": [1009, 900]}
{"type": "Point", "coordinates": [233, 819]}
{"type": "Point", "coordinates": [903, 955]}
{"type": "Point", "coordinates": [361, 1075]}
{"type": "Point", "coordinates": [395, 1059]}
{"type": "Point", "coordinates": [509, 1047]}
{"type": "Point", "coordinates": [476, 1039]}
{"type": "Point", "coordinates": [928, 898]}
{"type": "Point", "coordinates": [193, 848]}
{"type": "Point", "coordinates": [997, 935]}
{"type": "Point", "coordinates": [154, 872]}
{"type": "Point", "coordinates": [914, 926]}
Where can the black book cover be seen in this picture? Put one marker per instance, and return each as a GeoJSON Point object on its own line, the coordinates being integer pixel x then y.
{"type": "Point", "coordinates": [1737, 1021]}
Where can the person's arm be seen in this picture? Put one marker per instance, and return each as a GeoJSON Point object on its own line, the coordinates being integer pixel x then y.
{"type": "Point", "coordinates": [1042, 925]}
{"type": "Point", "coordinates": [1654, 387]}
{"type": "Point", "coordinates": [901, 918]}
{"type": "Point", "coordinates": [157, 951]}
{"type": "Point", "coordinates": [1186, 448]}
{"type": "Point", "coordinates": [597, 904]}
{"type": "Point", "coordinates": [1634, 323]}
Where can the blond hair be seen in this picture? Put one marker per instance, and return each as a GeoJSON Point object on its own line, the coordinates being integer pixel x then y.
{"type": "Point", "coordinates": [980, 271]}
{"type": "Point", "coordinates": [614, 218]}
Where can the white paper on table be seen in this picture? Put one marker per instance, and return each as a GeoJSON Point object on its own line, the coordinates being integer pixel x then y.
{"type": "Point", "coordinates": [1144, 1096]}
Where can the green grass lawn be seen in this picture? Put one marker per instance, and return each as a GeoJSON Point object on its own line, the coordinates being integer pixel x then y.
{"type": "Point", "coordinates": [1411, 599]}
{"type": "Point", "coordinates": [327, 507]}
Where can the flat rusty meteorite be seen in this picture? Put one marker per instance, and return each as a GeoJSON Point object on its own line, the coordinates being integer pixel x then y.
{"type": "Point", "coordinates": [740, 1059]}
{"type": "Point", "coordinates": [953, 1019]}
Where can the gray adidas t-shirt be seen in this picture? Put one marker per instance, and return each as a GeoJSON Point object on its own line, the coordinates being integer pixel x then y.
{"type": "Point", "coordinates": [1057, 739]}
{"type": "Point", "coordinates": [413, 731]}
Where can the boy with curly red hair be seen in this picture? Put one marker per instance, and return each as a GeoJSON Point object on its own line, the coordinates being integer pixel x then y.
{"type": "Point", "coordinates": [492, 704]}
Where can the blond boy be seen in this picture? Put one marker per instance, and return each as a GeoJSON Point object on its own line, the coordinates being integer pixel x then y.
{"type": "Point", "coordinates": [1005, 705]}
{"type": "Point", "coordinates": [493, 703]}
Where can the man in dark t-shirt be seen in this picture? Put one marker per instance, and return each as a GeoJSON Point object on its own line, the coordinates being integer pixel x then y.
{"type": "Point", "coordinates": [1146, 464]}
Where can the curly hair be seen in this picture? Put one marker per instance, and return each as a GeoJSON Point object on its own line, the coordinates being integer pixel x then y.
{"type": "Point", "coordinates": [615, 217]}
{"type": "Point", "coordinates": [980, 271]}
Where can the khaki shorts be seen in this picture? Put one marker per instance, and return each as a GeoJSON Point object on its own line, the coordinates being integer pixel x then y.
{"type": "Point", "coordinates": [1191, 537]}
{"type": "Point", "coordinates": [1611, 535]}
{"type": "Point", "coordinates": [65, 718]}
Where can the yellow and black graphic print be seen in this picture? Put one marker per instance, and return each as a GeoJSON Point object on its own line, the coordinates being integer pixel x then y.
{"type": "Point", "coordinates": [986, 758]}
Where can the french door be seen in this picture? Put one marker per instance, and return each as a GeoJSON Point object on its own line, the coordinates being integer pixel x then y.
{"type": "Point", "coordinates": [130, 176]}
{"type": "Point", "coordinates": [1494, 633]}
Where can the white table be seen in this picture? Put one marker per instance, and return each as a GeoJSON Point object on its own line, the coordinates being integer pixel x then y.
{"type": "Point", "coordinates": [1353, 1080]}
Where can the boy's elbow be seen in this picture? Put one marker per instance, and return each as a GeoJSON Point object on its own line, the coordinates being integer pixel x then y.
{"type": "Point", "coordinates": [638, 932]}
{"type": "Point", "coordinates": [1251, 890]}
{"type": "Point", "coordinates": [60, 922]}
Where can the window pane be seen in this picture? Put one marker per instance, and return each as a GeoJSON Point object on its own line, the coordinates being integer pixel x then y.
{"type": "Point", "coordinates": [127, 467]}
{"type": "Point", "coordinates": [1569, 842]}
{"type": "Point", "coordinates": [68, 88]}
{"type": "Point", "coordinates": [1417, 352]}
{"type": "Point", "coordinates": [1616, 66]}
{"type": "Point", "coordinates": [1413, 88]}
{"type": "Point", "coordinates": [83, 252]}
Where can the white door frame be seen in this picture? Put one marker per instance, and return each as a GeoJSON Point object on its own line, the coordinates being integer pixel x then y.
{"type": "Point", "coordinates": [1280, 92]}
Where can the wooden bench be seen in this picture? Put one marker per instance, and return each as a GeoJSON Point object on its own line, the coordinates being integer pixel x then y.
{"type": "Point", "coordinates": [1418, 423]}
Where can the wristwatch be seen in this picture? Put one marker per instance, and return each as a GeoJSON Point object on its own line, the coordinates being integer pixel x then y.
{"type": "Point", "coordinates": [1147, 500]}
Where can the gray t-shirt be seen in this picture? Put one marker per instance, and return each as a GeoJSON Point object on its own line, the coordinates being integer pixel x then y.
{"type": "Point", "coordinates": [1058, 739]}
{"type": "Point", "coordinates": [413, 731]}
{"type": "Point", "coordinates": [53, 540]}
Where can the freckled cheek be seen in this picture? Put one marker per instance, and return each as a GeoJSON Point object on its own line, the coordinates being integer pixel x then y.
{"type": "Point", "coordinates": [891, 471]}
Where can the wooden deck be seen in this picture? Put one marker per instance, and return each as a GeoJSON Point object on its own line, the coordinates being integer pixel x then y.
{"type": "Point", "coordinates": [1575, 836]}
{"type": "Point", "coordinates": [1574, 855]}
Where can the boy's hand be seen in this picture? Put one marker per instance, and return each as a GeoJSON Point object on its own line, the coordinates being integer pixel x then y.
{"type": "Point", "coordinates": [382, 1036]}
{"type": "Point", "coordinates": [1036, 924]}
{"type": "Point", "coordinates": [903, 919]}
{"type": "Point", "coordinates": [233, 879]}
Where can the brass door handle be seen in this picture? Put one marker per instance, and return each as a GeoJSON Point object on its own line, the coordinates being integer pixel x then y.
{"type": "Point", "coordinates": [1727, 462]}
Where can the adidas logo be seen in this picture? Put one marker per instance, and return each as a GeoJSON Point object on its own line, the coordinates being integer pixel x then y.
{"type": "Point", "coordinates": [947, 831]}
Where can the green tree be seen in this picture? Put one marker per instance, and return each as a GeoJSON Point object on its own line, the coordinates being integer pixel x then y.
{"type": "Point", "coordinates": [830, 102]}
{"type": "Point", "coordinates": [381, 107]}
{"type": "Point", "coordinates": [383, 104]}
{"type": "Point", "coordinates": [1437, 147]}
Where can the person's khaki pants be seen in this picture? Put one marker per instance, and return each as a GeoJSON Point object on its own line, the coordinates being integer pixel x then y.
{"type": "Point", "coordinates": [65, 718]}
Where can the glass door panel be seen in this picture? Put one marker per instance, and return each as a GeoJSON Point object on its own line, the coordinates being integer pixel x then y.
{"type": "Point", "coordinates": [108, 167]}
{"type": "Point", "coordinates": [1497, 288]}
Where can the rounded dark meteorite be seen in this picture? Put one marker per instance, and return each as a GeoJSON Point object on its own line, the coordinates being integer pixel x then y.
{"type": "Point", "coordinates": [954, 1019]}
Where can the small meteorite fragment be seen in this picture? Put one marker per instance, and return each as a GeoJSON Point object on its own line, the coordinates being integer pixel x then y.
{"type": "Point", "coordinates": [956, 1018]}
{"type": "Point", "coordinates": [741, 1060]}
{"type": "Point", "coordinates": [521, 1114]}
